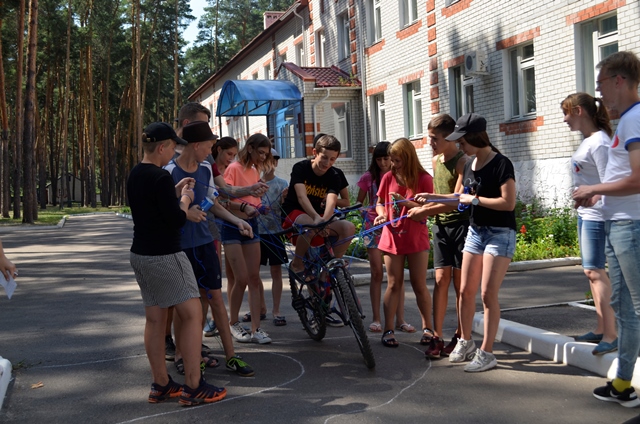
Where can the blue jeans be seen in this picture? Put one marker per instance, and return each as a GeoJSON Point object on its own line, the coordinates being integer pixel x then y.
{"type": "Point", "coordinates": [623, 251]}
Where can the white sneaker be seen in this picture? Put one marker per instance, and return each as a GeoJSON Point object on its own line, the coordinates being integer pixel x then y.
{"type": "Point", "coordinates": [481, 362]}
{"type": "Point", "coordinates": [463, 351]}
{"type": "Point", "coordinates": [210, 329]}
{"type": "Point", "coordinates": [239, 333]}
{"type": "Point", "coordinates": [260, 336]}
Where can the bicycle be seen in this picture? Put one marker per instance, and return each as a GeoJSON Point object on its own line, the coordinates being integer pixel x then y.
{"type": "Point", "coordinates": [311, 299]}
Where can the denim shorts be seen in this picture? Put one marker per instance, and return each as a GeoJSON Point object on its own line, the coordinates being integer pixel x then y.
{"type": "Point", "coordinates": [591, 237]}
{"type": "Point", "coordinates": [495, 241]}
{"type": "Point", "coordinates": [231, 235]}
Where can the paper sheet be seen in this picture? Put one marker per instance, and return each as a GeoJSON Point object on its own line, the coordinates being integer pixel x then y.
{"type": "Point", "coordinates": [9, 286]}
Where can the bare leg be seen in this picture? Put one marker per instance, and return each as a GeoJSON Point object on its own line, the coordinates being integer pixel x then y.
{"type": "Point", "coordinates": [601, 290]}
{"type": "Point", "coordinates": [440, 298]}
{"type": "Point", "coordinates": [494, 269]}
{"type": "Point", "coordinates": [471, 277]}
{"type": "Point", "coordinates": [154, 333]}
{"type": "Point", "coordinates": [189, 338]}
{"type": "Point", "coordinates": [222, 321]}
{"type": "Point", "coordinates": [375, 287]}
{"type": "Point", "coordinates": [395, 284]}
{"type": "Point", "coordinates": [418, 276]}
{"type": "Point", "coordinates": [276, 288]}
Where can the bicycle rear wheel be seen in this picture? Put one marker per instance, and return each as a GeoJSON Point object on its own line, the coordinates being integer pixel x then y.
{"type": "Point", "coordinates": [309, 310]}
{"type": "Point", "coordinates": [342, 279]}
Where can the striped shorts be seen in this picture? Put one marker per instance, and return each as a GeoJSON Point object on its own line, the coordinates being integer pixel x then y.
{"type": "Point", "coordinates": [164, 280]}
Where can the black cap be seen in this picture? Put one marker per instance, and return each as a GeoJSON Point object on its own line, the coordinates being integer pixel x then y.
{"type": "Point", "coordinates": [197, 131]}
{"type": "Point", "coordinates": [469, 123]}
{"type": "Point", "coordinates": [160, 131]}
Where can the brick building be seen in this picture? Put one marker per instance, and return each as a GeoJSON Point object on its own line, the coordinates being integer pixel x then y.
{"type": "Point", "coordinates": [372, 70]}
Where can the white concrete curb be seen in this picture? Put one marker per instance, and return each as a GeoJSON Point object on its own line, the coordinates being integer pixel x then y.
{"type": "Point", "coordinates": [554, 346]}
{"type": "Point", "coordinates": [5, 378]}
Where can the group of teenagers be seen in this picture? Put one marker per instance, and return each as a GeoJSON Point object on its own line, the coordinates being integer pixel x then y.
{"type": "Point", "coordinates": [472, 197]}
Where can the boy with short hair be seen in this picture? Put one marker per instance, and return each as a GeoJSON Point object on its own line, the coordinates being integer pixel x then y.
{"type": "Point", "coordinates": [449, 230]}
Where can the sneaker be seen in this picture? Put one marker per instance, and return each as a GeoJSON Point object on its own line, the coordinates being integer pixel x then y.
{"type": "Point", "coordinates": [463, 352]}
{"type": "Point", "coordinates": [236, 364]}
{"type": "Point", "coordinates": [161, 393]}
{"type": "Point", "coordinates": [446, 351]}
{"type": "Point", "coordinates": [332, 321]}
{"type": "Point", "coordinates": [239, 333]}
{"type": "Point", "coordinates": [210, 329]}
{"type": "Point", "coordinates": [604, 347]}
{"type": "Point", "coordinates": [590, 337]}
{"type": "Point", "coordinates": [608, 393]}
{"type": "Point", "coordinates": [435, 348]}
{"type": "Point", "coordinates": [205, 393]}
{"type": "Point", "coordinates": [482, 361]}
{"type": "Point", "coordinates": [260, 336]}
{"type": "Point", "coordinates": [169, 348]}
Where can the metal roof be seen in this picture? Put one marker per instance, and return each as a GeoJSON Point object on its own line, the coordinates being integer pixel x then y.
{"type": "Point", "coordinates": [256, 97]}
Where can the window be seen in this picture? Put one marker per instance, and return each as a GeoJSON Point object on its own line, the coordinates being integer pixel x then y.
{"type": "Point", "coordinates": [254, 76]}
{"type": "Point", "coordinates": [374, 20]}
{"type": "Point", "coordinates": [408, 12]}
{"type": "Point", "coordinates": [282, 58]}
{"type": "Point", "coordinates": [379, 125]}
{"type": "Point", "coordinates": [343, 37]}
{"type": "Point", "coordinates": [288, 141]}
{"type": "Point", "coordinates": [413, 108]}
{"type": "Point", "coordinates": [267, 72]}
{"type": "Point", "coordinates": [461, 92]}
{"type": "Point", "coordinates": [300, 57]}
{"type": "Point", "coordinates": [598, 39]}
{"type": "Point", "coordinates": [212, 118]}
{"type": "Point", "coordinates": [320, 49]}
{"type": "Point", "coordinates": [448, 3]}
{"type": "Point", "coordinates": [522, 82]}
{"type": "Point", "coordinates": [335, 118]}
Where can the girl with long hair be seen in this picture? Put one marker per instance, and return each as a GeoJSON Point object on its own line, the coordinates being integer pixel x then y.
{"type": "Point", "coordinates": [404, 239]}
{"type": "Point", "coordinates": [584, 113]}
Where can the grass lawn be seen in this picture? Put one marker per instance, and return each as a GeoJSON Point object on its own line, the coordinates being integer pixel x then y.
{"type": "Point", "coordinates": [53, 214]}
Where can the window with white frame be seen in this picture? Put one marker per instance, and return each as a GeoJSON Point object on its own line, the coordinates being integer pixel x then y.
{"type": "Point", "coordinates": [598, 39]}
{"type": "Point", "coordinates": [343, 36]}
{"type": "Point", "coordinates": [212, 118]}
{"type": "Point", "coordinates": [408, 12]}
{"type": "Point", "coordinates": [267, 71]}
{"type": "Point", "coordinates": [522, 82]}
{"type": "Point", "coordinates": [282, 58]}
{"type": "Point", "coordinates": [413, 108]}
{"type": "Point", "coordinates": [300, 57]}
{"type": "Point", "coordinates": [254, 76]}
{"type": "Point", "coordinates": [379, 126]}
{"type": "Point", "coordinates": [320, 49]}
{"type": "Point", "coordinates": [461, 97]}
{"type": "Point", "coordinates": [374, 20]}
{"type": "Point", "coordinates": [335, 118]}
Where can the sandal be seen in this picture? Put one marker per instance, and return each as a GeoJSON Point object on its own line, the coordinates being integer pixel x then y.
{"type": "Point", "coordinates": [406, 327]}
{"type": "Point", "coordinates": [179, 366]}
{"type": "Point", "coordinates": [210, 362]}
{"type": "Point", "coordinates": [390, 342]}
{"type": "Point", "coordinates": [247, 317]}
{"type": "Point", "coordinates": [427, 336]}
{"type": "Point", "coordinates": [279, 320]}
{"type": "Point", "coordinates": [375, 327]}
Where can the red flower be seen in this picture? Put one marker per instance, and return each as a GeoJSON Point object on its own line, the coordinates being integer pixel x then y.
{"type": "Point", "coordinates": [523, 229]}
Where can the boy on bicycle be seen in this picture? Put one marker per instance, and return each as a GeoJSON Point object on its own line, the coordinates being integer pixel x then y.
{"type": "Point", "coordinates": [313, 180]}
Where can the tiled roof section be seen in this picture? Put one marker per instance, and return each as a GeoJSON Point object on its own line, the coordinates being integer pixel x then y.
{"type": "Point", "coordinates": [324, 77]}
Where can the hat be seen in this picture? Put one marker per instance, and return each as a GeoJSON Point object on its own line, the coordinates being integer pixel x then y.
{"type": "Point", "coordinates": [275, 154]}
{"type": "Point", "coordinates": [159, 131]}
{"type": "Point", "coordinates": [469, 123]}
{"type": "Point", "coordinates": [197, 131]}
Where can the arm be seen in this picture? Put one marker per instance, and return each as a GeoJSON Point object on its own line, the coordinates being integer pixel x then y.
{"type": "Point", "coordinates": [219, 211]}
{"type": "Point", "coordinates": [330, 206]}
{"type": "Point", "coordinates": [255, 190]}
{"type": "Point", "coordinates": [303, 200]}
{"type": "Point", "coordinates": [189, 182]}
{"type": "Point", "coordinates": [506, 201]}
{"type": "Point", "coordinates": [344, 200]}
{"type": "Point", "coordinates": [623, 187]}
{"type": "Point", "coordinates": [7, 267]}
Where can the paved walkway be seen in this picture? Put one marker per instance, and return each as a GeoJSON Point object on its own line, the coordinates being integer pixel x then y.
{"type": "Point", "coordinates": [75, 325]}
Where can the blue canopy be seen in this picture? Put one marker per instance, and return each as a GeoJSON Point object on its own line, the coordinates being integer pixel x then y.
{"type": "Point", "coordinates": [256, 97]}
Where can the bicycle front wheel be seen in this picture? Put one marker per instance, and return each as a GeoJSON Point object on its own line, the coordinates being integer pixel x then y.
{"type": "Point", "coordinates": [309, 309]}
{"type": "Point", "coordinates": [343, 284]}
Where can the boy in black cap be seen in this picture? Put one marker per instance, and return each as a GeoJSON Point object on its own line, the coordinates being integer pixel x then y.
{"type": "Point", "coordinates": [162, 270]}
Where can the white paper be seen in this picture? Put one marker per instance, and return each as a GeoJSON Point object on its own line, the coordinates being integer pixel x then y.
{"type": "Point", "coordinates": [9, 286]}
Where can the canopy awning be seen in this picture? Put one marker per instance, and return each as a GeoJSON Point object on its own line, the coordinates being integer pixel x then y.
{"type": "Point", "coordinates": [256, 97]}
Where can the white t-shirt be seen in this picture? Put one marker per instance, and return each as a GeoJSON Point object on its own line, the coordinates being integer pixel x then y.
{"type": "Point", "coordinates": [618, 208]}
{"type": "Point", "coordinates": [588, 166]}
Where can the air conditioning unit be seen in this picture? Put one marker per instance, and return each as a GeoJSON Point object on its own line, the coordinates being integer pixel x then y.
{"type": "Point", "coordinates": [476, 63]}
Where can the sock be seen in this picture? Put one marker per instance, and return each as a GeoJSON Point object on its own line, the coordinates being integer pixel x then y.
{"type": "Point", "coordinates": [620, 385]}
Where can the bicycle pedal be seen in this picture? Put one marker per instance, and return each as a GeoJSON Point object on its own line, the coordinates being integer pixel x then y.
{"type": "Point", "coordinates": [297, 303]}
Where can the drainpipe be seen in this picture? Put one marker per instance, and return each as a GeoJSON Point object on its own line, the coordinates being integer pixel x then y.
{"type": "Point", "coordinates": [363, 81]}
{"type": "Point", "coordinates": [313, 108]}
{"type": "Point", "coordinates": [304, 41]}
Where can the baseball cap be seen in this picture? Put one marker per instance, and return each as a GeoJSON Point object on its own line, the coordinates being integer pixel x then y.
{"type": "Point", "coordinates": [159, 131]}
{"type": "Point", "coordinates": [275, 154]}
{"type": "Point", "coordinates": [197, 131]}
{"type": "Point", "coordinates": [469, 123]}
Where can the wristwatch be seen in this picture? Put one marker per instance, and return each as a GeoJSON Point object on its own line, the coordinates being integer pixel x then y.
{"type": "Point", "coordinates": [475, 201]}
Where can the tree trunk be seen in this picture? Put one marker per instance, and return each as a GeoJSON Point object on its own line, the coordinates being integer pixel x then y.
{"type": "Point", "coordinates": [17, 146]}
{"type": "Point", "coordinates": [64, 189]}
{"type": "Point", "coordinates": [5, 194]}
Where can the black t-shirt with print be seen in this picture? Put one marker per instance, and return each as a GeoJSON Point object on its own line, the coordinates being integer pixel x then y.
{"type": "Point", "coordinates": [487, 182]}
{"type": "Point", "coordinates": [318, 186]}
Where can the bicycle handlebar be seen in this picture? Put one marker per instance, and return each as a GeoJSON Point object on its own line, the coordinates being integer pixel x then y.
{"type": "Point", "coordinates": [338, 214]}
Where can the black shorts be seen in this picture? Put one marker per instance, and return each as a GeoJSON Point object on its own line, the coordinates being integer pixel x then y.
{"type": "Point", "coordinates": [272, 250]}
{"type": "Point", "coordinates": [206, 267]}
{"type": "Point", "coordinates": [448, 242]}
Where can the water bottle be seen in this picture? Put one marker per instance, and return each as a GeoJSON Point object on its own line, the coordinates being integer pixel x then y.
{"type": "Point", "coordinates": [206, 204]}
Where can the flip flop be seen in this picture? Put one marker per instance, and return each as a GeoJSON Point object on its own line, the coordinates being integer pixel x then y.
{"type": "Point", "coordinates": [279, 320]}
{"type": "Point", "coordinates": [247, 317]}
{"type": "Point", "coordinates": [210, 362]}
{"type": "Point", "coordinates": [390, 342]}
{"type": "Point", "coordinates": [375, 327]}
{"type": "Point", "coordinates": [406, 327]}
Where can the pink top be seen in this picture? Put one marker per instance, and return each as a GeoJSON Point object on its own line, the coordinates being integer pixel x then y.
{"type": "Point", "coordinates": [405, 236]}
{"type": "Point", "coordinates": [367, 184]}
{"type": "Point", "coordinates": [239, 176]}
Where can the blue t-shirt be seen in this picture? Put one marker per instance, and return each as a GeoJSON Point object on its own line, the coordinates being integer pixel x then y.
{"type": "Point", "coordinates": [195, 234]}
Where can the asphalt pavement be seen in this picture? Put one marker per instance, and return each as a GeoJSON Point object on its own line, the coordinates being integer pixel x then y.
{"type": "Point", "coordinates": [73, 332]}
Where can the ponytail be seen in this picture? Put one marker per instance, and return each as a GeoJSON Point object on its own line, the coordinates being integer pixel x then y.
{"type": "Point", "coordinates": [593, 106]}
{"type": "Point", "coordinates": [601, 117]}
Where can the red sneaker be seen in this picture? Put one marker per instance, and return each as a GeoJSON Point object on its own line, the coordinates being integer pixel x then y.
{"type": "Point", "coordinates": [446, 351]}
{"type": "Point", "coordinates": [435, 348]}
